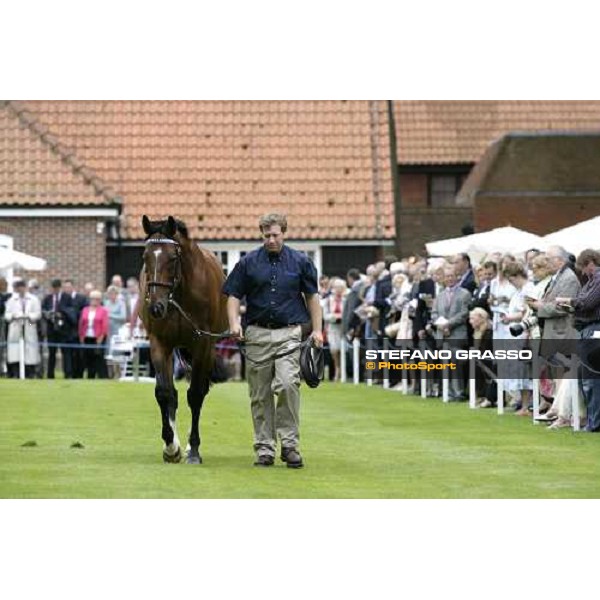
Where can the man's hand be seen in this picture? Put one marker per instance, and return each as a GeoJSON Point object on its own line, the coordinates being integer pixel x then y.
{"type": "Point", "coordinates": [317, 338]}
{"type": "Point", "coordinates": [563, 301]}
{"type": "Point", "coordinates": [236, 332]}
{"type": "Point", "coordinates": [533, 304]}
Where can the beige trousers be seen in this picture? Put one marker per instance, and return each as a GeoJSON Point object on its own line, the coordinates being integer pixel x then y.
{"type": "Point", "coordinates": [273, 377]}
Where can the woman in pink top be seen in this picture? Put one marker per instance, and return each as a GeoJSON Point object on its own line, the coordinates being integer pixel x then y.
{"type": "Point", "coordinates": [93, 330]}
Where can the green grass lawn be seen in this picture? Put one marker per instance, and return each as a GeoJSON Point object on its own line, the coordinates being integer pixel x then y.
{"type": "Point", "coordinates": [357, 442]}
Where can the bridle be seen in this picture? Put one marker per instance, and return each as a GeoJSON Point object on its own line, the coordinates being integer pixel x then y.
{"type": "Point", "coordinates": [173, 285]}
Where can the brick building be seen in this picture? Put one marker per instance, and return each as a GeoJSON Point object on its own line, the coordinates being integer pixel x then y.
{"type": "Point", "coordinates": [539, 182]}
{"type": "Point", "coordinates": [439, 142]}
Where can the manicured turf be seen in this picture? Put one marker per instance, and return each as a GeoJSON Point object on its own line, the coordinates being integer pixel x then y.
{"type": "Point", "coordinates": [357, 442]}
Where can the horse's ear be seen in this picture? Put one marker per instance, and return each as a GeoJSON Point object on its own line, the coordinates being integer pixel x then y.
{"type": "Point", "coordinates": [171, 227]}
{"type": "Point", "coordinates": [146, 225]}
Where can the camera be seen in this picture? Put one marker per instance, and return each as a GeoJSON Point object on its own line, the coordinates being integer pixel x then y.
{"type": "Point", "coordinates": [526, 324]}
{"type": "Point", "coordinates": [56, 318]}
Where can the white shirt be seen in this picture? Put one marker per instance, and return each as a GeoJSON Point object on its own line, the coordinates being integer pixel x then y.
{"type": "Point", "coordinates": [90, 326]}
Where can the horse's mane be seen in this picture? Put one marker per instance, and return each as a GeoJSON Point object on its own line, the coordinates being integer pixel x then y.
{"type": "Point", "coordinates": [161, 227]}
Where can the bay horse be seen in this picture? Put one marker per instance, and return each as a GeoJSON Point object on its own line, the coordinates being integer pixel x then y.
{"type": "Point", "coordinates": [181, 304]}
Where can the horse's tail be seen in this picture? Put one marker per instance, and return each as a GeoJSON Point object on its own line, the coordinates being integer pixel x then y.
{"type": "Point", "coordinates": [218, 373]}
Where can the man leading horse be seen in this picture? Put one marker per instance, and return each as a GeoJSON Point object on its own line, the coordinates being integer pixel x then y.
{"type": "Point", "coordinates": [281, 291]}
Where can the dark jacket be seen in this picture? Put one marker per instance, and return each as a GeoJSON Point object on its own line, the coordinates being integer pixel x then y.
{"type": "Point", "coordinates": [383, 290]}
{"type": "Point", "coordinates": [422, 314]}
{"type": "Point", "coordinates": [469, 283]}
{"type": "Point", "coordinates": [481, 298]}
{"type": "Point", "coordinates": [353, 300]}
{"type": "Point", "coordinates": [79, 302]}
{"type": "Point", "coordinates": [62, 321]}
{"type": "Point", "coordinates": [3, 300]}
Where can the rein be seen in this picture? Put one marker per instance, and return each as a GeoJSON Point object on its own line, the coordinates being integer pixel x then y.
{"type": "Point", "coordinates": [197, 331]}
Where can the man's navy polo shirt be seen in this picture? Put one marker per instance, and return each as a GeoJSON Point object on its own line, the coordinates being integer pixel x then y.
{"type": "Point", "coordinates": [273, 285]}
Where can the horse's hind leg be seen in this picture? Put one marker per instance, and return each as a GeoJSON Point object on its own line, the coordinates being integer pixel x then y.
{"type": "Point", "coordinates": [166, 397]}
{"type": "Point", "coordinates": [195, 396]}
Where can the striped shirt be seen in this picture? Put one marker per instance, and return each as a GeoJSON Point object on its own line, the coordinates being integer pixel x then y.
{"type": "Point", "coordinates": [587, 301]}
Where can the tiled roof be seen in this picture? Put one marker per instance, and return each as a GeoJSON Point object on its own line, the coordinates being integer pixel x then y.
{"type": "Point", "coordinates": [442, 132]}
{"type": "Point", "coordinates": [37, 169]}
{"type": "Point", "coordinates": [219, 165]}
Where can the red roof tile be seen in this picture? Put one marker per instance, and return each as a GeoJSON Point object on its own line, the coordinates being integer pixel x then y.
{"type": "Point", "coordinates": [35, 169]}
{"type": "Point", "coordinates": [438, 132]}
{"type": "Point", "coordinates": [220, 165]}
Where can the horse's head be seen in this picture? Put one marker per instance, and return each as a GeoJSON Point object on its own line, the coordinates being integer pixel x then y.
{"type": "Point", "coordinates": [162, 263]}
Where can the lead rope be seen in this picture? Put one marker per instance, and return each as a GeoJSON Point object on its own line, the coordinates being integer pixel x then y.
{"type": "Point", "coordinates": [197, 331]}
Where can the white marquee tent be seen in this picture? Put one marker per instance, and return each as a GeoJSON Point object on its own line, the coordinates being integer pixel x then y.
{"type": "Point", "coordinates": [12, 259]}
{"type": "Point", "coordinates": [578, 237]}
{"type": "Point", "coordinates": [503, 239]}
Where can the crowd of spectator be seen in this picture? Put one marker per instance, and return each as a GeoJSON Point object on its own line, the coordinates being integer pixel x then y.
{"type": "Point", "coordinates": [415, 303]}
{"type": "Point", "coordinates": [537, 302]}
{"type": "Point", "coordinates": [63, 322]}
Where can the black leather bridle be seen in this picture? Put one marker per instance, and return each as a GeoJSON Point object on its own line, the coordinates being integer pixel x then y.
{"type": "Point", "coordinates": [172, 287]}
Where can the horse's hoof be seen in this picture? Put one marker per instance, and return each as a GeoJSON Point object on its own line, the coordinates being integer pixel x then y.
{"type": "Point", "coordinates": [193, 458]}
{"type": "Point", "coordinates": [172, 458]}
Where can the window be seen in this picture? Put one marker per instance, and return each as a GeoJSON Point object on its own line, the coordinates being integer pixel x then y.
{"type": "Point", "coordinates": [443, 189]}
{"type": "Point", "coordinates": [222, 257]}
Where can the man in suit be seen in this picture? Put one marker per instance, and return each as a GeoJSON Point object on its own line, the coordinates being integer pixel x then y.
{"type": "Point", "coordinates": [558, 329]}
{"type": "Point", "coordinates": [57, 309]}
{"type": "Point", "coordinates": [383, 289]}
{"type": "Point", "coordinates": [350, 321]}
{"type": "Point", "coordinates": [79, 301]}
{"type": "Point", "coordinates": [481, 294]}
{"type": "Point", "coordinates": [466, 277]}
{"type": "Point", "coordinates": [449, 316]}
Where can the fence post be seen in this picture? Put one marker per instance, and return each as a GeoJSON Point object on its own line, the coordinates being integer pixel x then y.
{"type": "Point", "coordinates": [386, 371]}
{"type": "Point", "coordinates": [343, 349]}
{"type": "Point", "coordinates": [574, 393]}
{"type": "Point", "coordinates": [472, 384]}
{"type": "Point", "coordinates": [356, 360]}
{"type": "Point", "coordinates": [445, 378]}
{"type": "Point", "coordinates": [535, 378]}
{"type": "Point", "coordinates": [500, 395]}
{"type": "Point", "coordinates": [369, 380]}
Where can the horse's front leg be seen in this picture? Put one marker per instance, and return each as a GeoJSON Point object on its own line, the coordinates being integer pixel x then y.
{"type": "Point", "coordinates": [166, 397]}
{"type": "Point", "coordinates": [196, 393]}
